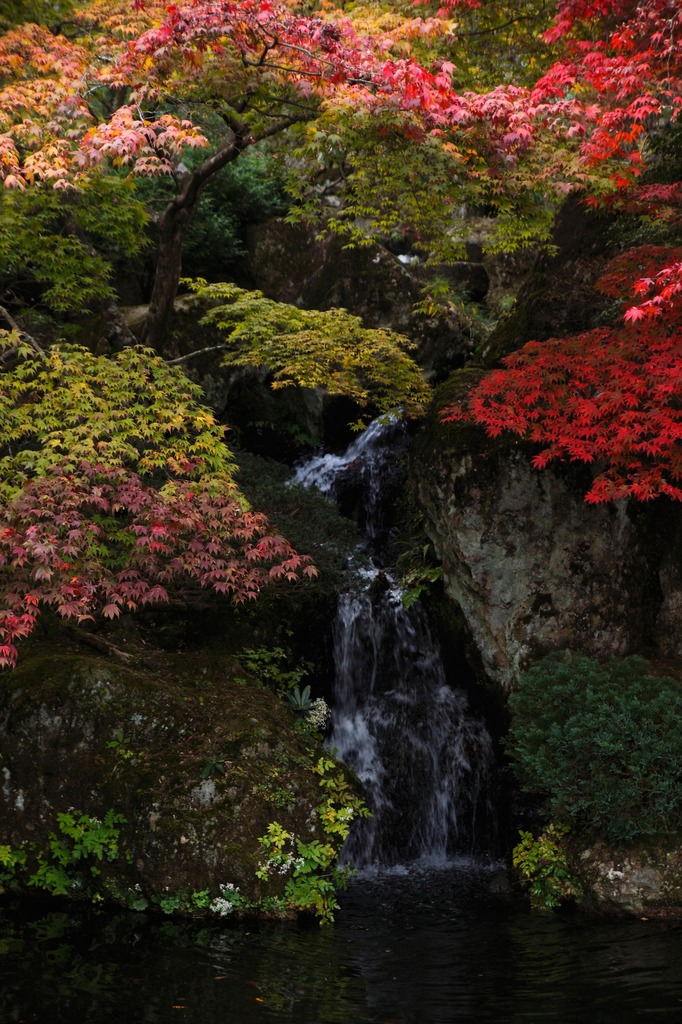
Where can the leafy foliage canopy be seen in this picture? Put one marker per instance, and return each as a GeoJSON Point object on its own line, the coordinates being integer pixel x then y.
{"type": "Point", "coordinates": [118, 493]}
{"type": "Point", "coordinates": [316, 348]}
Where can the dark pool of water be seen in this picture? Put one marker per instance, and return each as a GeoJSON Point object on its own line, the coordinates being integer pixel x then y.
{"type": "Point", "coordinates": [426, 948]}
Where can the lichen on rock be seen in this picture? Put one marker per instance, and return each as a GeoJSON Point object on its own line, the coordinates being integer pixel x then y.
{"type": "Point", "coordinates": [643, 880]}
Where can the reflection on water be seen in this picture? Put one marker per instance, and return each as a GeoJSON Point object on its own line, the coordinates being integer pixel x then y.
{"type": "Point", "coordinates": [430, 948]}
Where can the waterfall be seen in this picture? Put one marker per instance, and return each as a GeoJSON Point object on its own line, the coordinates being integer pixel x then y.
{"type": "Point", "coordinates": [423, 757]}
{"type": "Point", "coordinates": [360, 480]}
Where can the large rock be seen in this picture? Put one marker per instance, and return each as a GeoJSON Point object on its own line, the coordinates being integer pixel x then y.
{"type": "Point", "coordinates": [532, 567]}
{"type": "Point", "coordinates": [558, 297]}
{"type": "Point", "coordinates": [645, 880]}
{"type": "Point", "coordinates": [196, 760]}
{"type": "Point", "coordinates": [291, 264]}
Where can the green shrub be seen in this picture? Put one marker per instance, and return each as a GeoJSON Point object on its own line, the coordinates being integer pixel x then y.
{"type": "Point", "coordinates": [70, 862]}
{"type": "Point", "coordinates": [248, 191]}
{"type": "Point", "coordinates": [601, 745]}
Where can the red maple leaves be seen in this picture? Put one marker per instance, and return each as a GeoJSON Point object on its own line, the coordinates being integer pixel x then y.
{"type": "Point", "coordinates": [607, 396]}
{"type": "Point", "coordinates": [611, 397]}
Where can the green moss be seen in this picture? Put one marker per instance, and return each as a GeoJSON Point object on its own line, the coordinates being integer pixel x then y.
{"type": "Point", "coordinates": [437, 444]}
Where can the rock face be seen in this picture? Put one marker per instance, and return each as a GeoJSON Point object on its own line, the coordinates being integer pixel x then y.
{"type": "Point", "coordinates": [532, 567]}
{"type": "Point", "coordinates": [196, 762]}
{"type": "Point", "coordinates": [558, 297]}
{"type": "Point", "coordinates": [288, 263]}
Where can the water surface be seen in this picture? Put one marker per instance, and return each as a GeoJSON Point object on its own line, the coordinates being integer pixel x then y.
{"type": "Point", "coordinates": [428, 947]}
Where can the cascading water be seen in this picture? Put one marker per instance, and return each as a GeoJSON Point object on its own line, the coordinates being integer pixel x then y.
{"type": "Point", "coordinates": [360, 479]}
{"type": "Point", "coordinates": [423, 757]}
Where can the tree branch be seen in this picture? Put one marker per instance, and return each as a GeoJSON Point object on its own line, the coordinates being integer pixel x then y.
{"type": "Point", "coordinates": [102, 646]}
{"type": "Point", "coordinates": [15, 327]}
{"type": "Point", "coordinates": [198, 352]}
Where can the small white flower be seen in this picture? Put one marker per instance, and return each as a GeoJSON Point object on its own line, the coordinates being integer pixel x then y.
{"type": "Point", "coordinates": [319, 713]}
{"type": "Point", "coordinates": [221, 906]}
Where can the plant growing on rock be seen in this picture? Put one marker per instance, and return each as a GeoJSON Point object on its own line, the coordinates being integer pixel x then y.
{"type": "Point", "coordinates": [311, 867]}
{"type": "Point", "coordinates": [543, 865]}
{"type": "Point", "coordinates": [72, 858]}
{"type": "Point", "coordinates": [315, 712]}
{"type": "Point", "coordinates": [318, 714]}
{"type": "Point", "coordinates": [300, 700]}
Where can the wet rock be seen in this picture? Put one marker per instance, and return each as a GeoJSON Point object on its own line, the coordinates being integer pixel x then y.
{"type": "Point", "coordinates": [290, 264]}
{"type": "Point", "coordinates": [533, 568]}
{"type": "Point", "coordinates": [646, 880]}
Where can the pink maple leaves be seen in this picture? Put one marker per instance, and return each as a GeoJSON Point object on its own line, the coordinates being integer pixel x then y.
{"type": "Point", "coordinates": [99, 541]}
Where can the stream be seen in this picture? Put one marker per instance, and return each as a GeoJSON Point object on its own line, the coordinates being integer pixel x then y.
{"type": "Point", "coordinates": [428, 931]}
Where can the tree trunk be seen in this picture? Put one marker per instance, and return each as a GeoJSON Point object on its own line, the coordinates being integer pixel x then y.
{"type": "Point", "coordinates": [173, 227]}
{"type": "Point", "coordinates": [177, 218]}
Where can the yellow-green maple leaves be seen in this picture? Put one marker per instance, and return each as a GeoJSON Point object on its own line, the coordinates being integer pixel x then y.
{"type": "Point", "coordinates": [317, 348]}
{"type": "Point", "coordinates": [130, 410]}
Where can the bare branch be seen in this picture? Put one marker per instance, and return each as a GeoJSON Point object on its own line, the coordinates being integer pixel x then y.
{"type": "Point", "coordinates": [198, 352]}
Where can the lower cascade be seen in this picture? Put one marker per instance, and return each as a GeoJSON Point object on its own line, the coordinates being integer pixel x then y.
{"type": "Point", "coordinates": [424, 758]}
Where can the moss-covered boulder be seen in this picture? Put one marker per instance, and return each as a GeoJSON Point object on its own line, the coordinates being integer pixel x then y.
{"type": "Point", "coordinates": [558, 297]}
{"type": "Point", "coordinates": [154, 787]}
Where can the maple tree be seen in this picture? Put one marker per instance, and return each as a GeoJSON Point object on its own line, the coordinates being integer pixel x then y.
{"type": "Point", "coordinates": [144, 85]}
{"type": "Point", "coordinates": [180, 91]}
{"type": "Point", "coordinates": [118, 492]}
{"type": "Point", "coordinates": [113, 499]}
{"type": "Point", "coordinates": [328, 349]}
{"type": "Point", "coordinates": [103, 513]}
{"type": "Point", "coordinates": [245, 72]}
{"type": "Point", "coordinates": [611, 396]}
